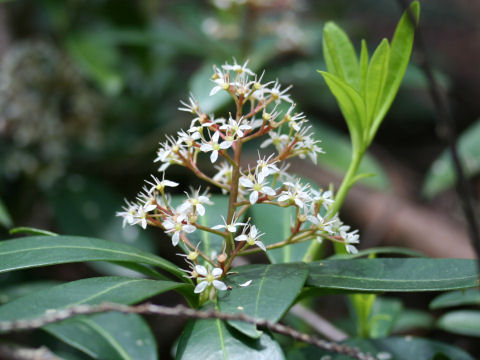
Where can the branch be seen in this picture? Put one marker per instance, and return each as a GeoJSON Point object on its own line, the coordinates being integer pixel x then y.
{"type": "Point", "coordinates": [150, 309]}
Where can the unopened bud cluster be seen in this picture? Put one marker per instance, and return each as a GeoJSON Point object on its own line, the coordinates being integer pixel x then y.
{"type": "Point", "coordinates": [286, 134]}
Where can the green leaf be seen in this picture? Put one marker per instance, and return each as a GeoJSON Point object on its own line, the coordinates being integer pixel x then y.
{"type": "Point", "coordinates": [412, 319]}
{"type": "Point", "coordinates": [35, 251]}
{"type": "Point", "coordinates": [112, 336]}
{"type": "Point", "coordinates": [275, 222]}
{"type": "Point", "coordinates": [394, 348]}
{"type": "Point", "coordinates": [338, 152]}
{"type": "Point", "coordinates": [91, 291]}
{"type": "Point", "coordinates": [378, 250]}
{"type": "Point", "coordinates": [400, 50]}
{"type": "Point", "coordinates": [282, 282]}
{"type": "Point", "coordinates": [209, 243]}
{"type": "Point", "coordinates": [351, 105]}
{"type": "Point", "coordinates": [363, 66]}
{"type": "Point", "coordinates": [376, 76]}
{"type": "Point", "coordinates": [340, 56]}
{"type": "Point", "coordinates": [384, 314]}
{"type": "Point", "coordinates": [31, 231]}
{"type": "Point", "coordinates": [463, 322]}
{"type": "Point", "coordinates": [394, 275]}
{"type": "Point", "coordinates": [441, 174]}
{"type": "Point", "coordinates": [213, 340]}
{"type": "Point", "coordinates": [456, 298]}
{"type": "Point", "coordinates": [5, 219]}
{"type": "Point", "coordinates": [13, 292]}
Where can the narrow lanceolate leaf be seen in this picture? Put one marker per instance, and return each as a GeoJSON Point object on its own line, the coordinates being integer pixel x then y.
{"type": "Point", "coordinates": [35, 251]}
{"type": "Point", "coordinates": [112, 336]}
{"type": "Point", "coordinates": [393, 275]}
{"type": "Point", "coordinates": [115, 289]}
{"type": "Point", "coordinates": [393, 348]}
{"type": "Point", "coordinates": [214, 340]}
{"type": "Point", "coordinates": [463, 322]}
{"type": "Point", "coordinates": [272, 291]}
{"type": "Point", "coordinates": [376, 77]}
{"type": "Point", "coordinates": [275, 223]}
{"type": "Point", "coordinates": [400, 50]}
{"type": "Point", "coordinates": [363, 67]}
{"type": "Point", "coordinates": [456, 298]}
{"type": "Point", "coordinates": [340, 55]}
{"type": "Point", "coordinates": [351, 105]}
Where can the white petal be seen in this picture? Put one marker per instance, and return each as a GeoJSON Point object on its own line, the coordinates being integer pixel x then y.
{"type": "Point", "coordinates": [189, 228]}
{"type": "Point", "coordinates": [268, 190]}
{"type": "Point", "coordinates": [246, 182]}
{"type": "Point", "coordinates": [217, 272]}
{"type": "Point", "coordinates": [219, 285]}
{"type": "Point", "coordinates": [168, 224]}
{"type": "Point", "coordinates": [200, 209]}
{"type": "Point", "coordinates": [299, 202]}
{"type": "Point", "coordinates": [216, 227]}
{"type": "Point", "coordinates": [283, 198]}
{"type": "Point", "coordinates": [214, 156]}
{"type": "Point", "coordinates": [176, 238]}
{"type": "Point", "coordinates": [260, 245]}
{"type": "Point", "coordinates": [215, 137]}
{"type": "Point", "coordinates": [206, 147]}
{"type": "Point", "coordinates": [169, 183]}
{"type": "Point", "coordinates": [246, 283]}
{"type": "Point", "coordinates": [200, 287]}
{"type": "Point", "coordinates": [144, 223]}
{"type": "Point", "coordinates": [201, 270]}
{"type": "Point", "coordinates": [253, 197]}
{"type": "Point", "coordinates": [242, 237]}
{"type": "Point", "coordinates": [215, 90]}
{"type": "Point", "coordinates": [225, 145]}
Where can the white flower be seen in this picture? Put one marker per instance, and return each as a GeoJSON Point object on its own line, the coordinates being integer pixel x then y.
{"type": "Point", "coordinates": [232, 227]}
{"type": "Point", "coordinates": [238, 69]}
{"type": "Point", "coordinates": [177, 224]}
{"type": "Point", "coordinates": [235, 128]}
{"type": "Point", "coordinates": [222, 81]}
{"type": "Point", "coordinates": [266, 167]}
{"type": "Point", "coordinates": [192, 107]}
{"type": "Point", "coordinates": [128, 214]}
{"type": "Point", "coordinates": [279, 95]}
{"type": "Point", "coordinates": [196, 202]}
{"type": "Point", "coordinates": [278, 140]}
{"type": "Point", "coordinates": [252, 238]}
{"type": "Point", "coordinates": [206, 278]}
{"type": "Point", "coordinates": [159, 185]}
{"type": "Point", "coordinates": [214, 146]}
{"type": "Point", "coordinates": [258, 185]}
{"type": "Point", "coordinates": [141, 215]}
{"type": "Point", "coordinates": [296, 121]}
{"type": "Point", "coordinates": [324, 198]}
{"type": "Point", "coordinates": [296, 193]}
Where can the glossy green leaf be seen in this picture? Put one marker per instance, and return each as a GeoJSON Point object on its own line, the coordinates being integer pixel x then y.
{"type": "Point", "coordinates": [411, 320]}
{"type": "Point", "coordinates": [35, 251]}
{"type": "Point", "coordinates": [12, 292]}
{"type": "Point", "coordinates": [213, 340]}
{"type": "Point", "coordinates": [338, 153]}
{"type": "Point", "coordinates": [377, 251]}
{"type": "Point", "coordinates": [400, 50]}
{"type": "Point", "coordinates": [383, 315]}
{"type": "Point", "coordinates": [376, 78]}
{"type": "Point", "coordinates": [441, 174]}
{"type": "Point", "coordinates": [393, 348]}
{"type": "Point", "coordinates": [5, 219]}
{"type": "Point", "coordinates": [275, 222]}
{"type": "Point", "coordinates": [463, 322]}
{"type": "Point", "coordinates": [394, 275]}
{"type": "Point", "coordinates": [351, 105]}
{"type": "Point", "coordinates": [456, 298]}
{"type": "Point", "coordinates": [115, 289]}
{"type": "Point", "coordinates": [340, 56]}
{"type": "Point", "coordinates": [209, 243]}
{"type": "Point", "coordinates": [282, 282]}
{"type": "Point", "coordinates": [112, 336]}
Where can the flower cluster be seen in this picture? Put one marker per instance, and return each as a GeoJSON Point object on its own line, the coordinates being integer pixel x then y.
{"type": "Point", "coordinates": [220, 140]}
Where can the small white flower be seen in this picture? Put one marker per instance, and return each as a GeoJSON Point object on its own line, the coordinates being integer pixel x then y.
{"type": "Point", "coordinates": [159, 185]}
{"type": "Point", "coordinates": [128, 214]}
{"type": "Point", "coordinates": [279, 95]}
{"type": "Point", "coordinates": [206, 278]}
{"type": "Point", "coordinates": [196, 202]}
{"type": "Point", "coordinates": [222, 81]}
{"type": "Point", "coordinates": [214, 146]}
{"type": "Point", "coordinates": [177, 224]}
{"type": "Point", "coordinates": [141, 215]}
{"type": "Point", "coordinates": [266, 167]}
{"type": "Point", "coordinates": [252, 238]}
{"type": "Point", "coordinates": [258, 185]}
{"type": "Point", "coordinates": [278, 140]}
{"type": "Point", "coordinates": [235, 128]}
{"type": "Point", "coordinates": [296, 193]}
{"type": "Point", "coordinates": [232, 227]}
{"type": "Point", "coordinates": [238, 69]}
{"type": "Point", "coordinates": [192, 107]}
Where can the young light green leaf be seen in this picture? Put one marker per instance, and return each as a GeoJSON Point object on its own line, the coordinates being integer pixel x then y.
{"type": "Point", "coordinates": [463, 322]}
{"type": "Point", "coordinates": [376, 77]}
{"type": "Point", "coordinates": [363, 66]}
{"type": "Point", "coordinates": [212, 339]}
{"type": "Point", "coordinates": [275, 223]}
{"type": "Point", "coordinates": [441, 174]}
{"type": "Point", "coordinates": [113, 336]}
{"type": "Point", "coordinates": [351, 105]}
{"type": "Point", "coordinates": [393, 348]}
{"type": "Point", "coordinates": [396, 275]}
{"type": "Point", "coordinates": [340, 56]}
{"type": "Point", "coordinates": [400, 50]}
{"type": "Point", "coordinates": [456, 298]}
{"type": "Point", "coordinates": [282, 282]}
{"type": "Point", "coordinates": [35, 251]}
{"type": "Point", "coordinates": [115, 289]}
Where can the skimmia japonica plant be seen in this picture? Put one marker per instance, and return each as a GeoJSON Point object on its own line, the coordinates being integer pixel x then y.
{"type": "Point", "coordinates": [247, 204]}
